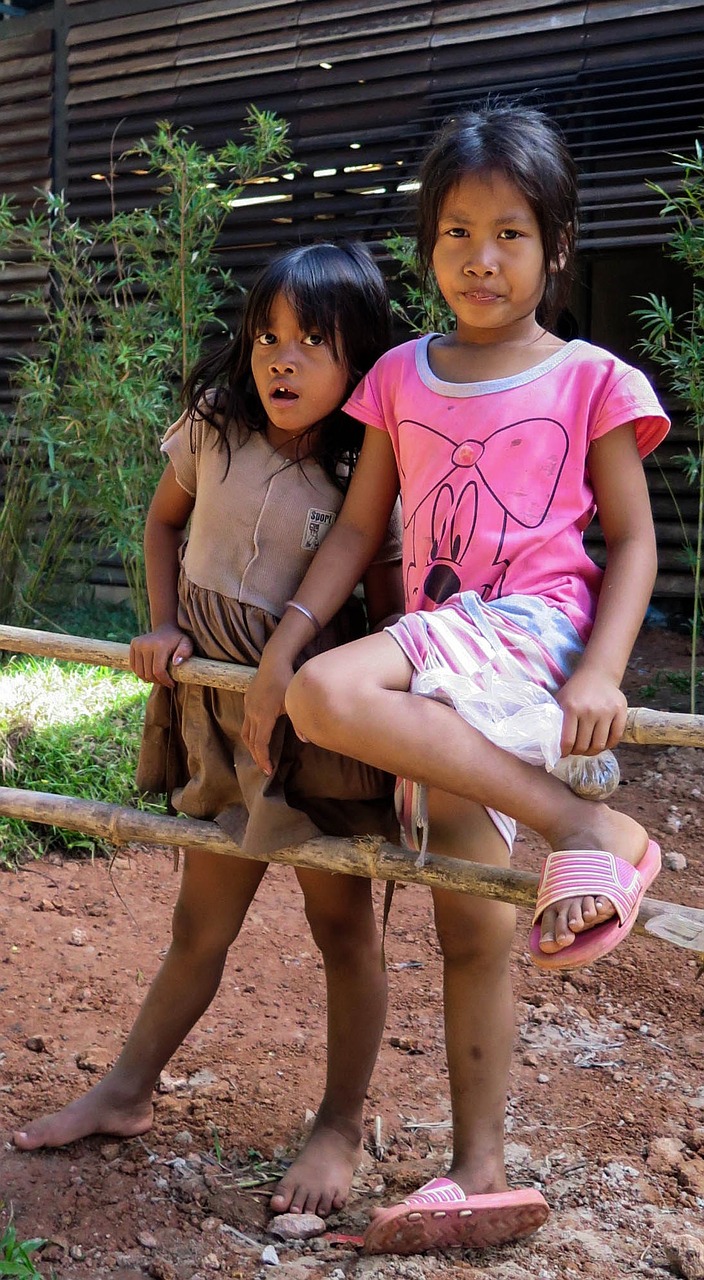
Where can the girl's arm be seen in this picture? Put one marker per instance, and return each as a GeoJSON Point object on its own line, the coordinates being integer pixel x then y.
{"type": "Point", "coordinates": [337, 567]}
{"type": "Point", "coordinates": [593, 705]}
{"type": "Point", "coordinates": [167, 518]}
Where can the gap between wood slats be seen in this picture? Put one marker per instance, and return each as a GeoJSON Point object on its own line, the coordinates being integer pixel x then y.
{"type": "Point", "coordinates": [19, 69]}
{"type": "Point", "coordinates": [104, 10]}
{"type": "Point", "coordinates": [325, 85]}
{"type": "Point", "coordinates": [21, 136]}
{"type": "Point", "coordinates": [467, 22]}
{"type": "Point", "coordinates": [383, 46]}
{"type": "Point", "coordinates": [25, 112]}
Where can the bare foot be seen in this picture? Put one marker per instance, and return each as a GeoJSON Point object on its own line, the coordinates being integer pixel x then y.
{"type": "Point", "coordinates": [618, 834]}
{"type": "Point", "coordinates": [96, 1112]}
{"type": "Point", "coordinates": [320, 1177]}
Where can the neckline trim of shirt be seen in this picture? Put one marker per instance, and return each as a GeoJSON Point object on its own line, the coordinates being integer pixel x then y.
{"type": "Point", "coordinates": [463, 390]}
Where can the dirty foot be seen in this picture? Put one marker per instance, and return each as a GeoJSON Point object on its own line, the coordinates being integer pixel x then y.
{"type": "Point", "coordinates": [319, 1179]}
{"type": "Point", "coordinates": [95, 1112]}
{"type": "Point", "coordinates": [609, 830]}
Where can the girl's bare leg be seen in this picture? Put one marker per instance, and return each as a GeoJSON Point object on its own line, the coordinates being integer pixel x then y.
{"type": "Point", "coordinates": [355, 700]}
{"type": "Point", "coordinates": [340, 914]}
{"type": "Point", "coordinates": [475, 936]}
{"type": "Point", "coordinates": [214, 897]}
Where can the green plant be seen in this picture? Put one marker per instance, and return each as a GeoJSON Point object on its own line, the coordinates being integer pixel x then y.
{"type": "Point", "coordinates": [676, 344]}
{"type": "Point", "coordinates": [70, 729]}
{"type": "Point", "coordinates": [14, 1255]}
{"type": "Point", "coordinates": [97, 618]}
{"type": "Point", "coordinates": [122, 307]}
{"type": "Point", "coordinates": [424, 310]}
{"type": "Point", "coordinates": [217, 1145]}
{"type": "Point", "coordinates": [678, 682]}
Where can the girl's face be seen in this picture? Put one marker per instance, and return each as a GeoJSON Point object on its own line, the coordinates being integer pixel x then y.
{"type": "Point", "coordinates": [488, 259]}
{"type": "Point", "coordinates": [298, 378]}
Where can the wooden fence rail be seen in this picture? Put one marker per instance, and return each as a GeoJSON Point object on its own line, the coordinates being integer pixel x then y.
{"type": "Point", "coordinates": [368, 856]}
{"type": "Point", "coordinates": [649, 728]}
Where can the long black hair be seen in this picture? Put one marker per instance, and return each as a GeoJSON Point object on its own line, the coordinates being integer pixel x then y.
{"type": "Point", "coordinates": [335, 289]}
{"type": "Point", "coordinates": [521, 143]}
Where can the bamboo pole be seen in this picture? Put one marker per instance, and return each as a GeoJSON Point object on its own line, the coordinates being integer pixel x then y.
{"type": "Point", "coordinates": [369, 856]}
{"type": "Point", "coordinates": [108, 653]}
{"type": "Point", "coordinates": [643, 726]}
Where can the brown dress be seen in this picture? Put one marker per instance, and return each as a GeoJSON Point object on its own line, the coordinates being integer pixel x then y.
{"type": "Point", "coordinates": [253, 533]}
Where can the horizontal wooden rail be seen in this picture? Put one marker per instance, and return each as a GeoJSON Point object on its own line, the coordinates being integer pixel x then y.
{"type": "Point", "coordinates": [369, 856]}
{"type": "Point", "coordinates": [108, 653]}
{"type": "Point", "coordinates": [643, 726]}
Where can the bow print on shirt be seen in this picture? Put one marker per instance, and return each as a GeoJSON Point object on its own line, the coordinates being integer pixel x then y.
{"type": "Point", "coordinates": [512, 475]}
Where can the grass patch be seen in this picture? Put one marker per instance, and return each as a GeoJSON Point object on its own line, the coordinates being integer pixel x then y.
{"type": "Point", "coordinates": [15, 1257]}
{"type": "Point", "coordinates": [70, 729]}
{"type": "Point", "coordinates": [670, 682]}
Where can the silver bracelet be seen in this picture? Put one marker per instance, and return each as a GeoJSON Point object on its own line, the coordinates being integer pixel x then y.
{"type": "Point", "coordinates": [293, 604]}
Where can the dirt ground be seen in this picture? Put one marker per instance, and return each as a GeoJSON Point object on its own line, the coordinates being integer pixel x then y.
{"type": "Point", "coordinates": [606, 1111]}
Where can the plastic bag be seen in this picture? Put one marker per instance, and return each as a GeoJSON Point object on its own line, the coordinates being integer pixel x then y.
{"type": "Point", "coordinates": [514, 713]}
{"type": "Point", "coordinates": [592, 777]}
{"type": "Point", "coordinates": [521, 717]}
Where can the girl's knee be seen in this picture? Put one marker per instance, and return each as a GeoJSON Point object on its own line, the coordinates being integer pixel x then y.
{"type": "Point", "coordinates": [342, 935]}
{"type": "Point", "coordinates": [319, 697]}
{"type": "Point", "coordinates": [199, 934]}
{"type": "Point", "coordinates": [308, 694]}
{"type": "Point", "coordinates": [480, 933]}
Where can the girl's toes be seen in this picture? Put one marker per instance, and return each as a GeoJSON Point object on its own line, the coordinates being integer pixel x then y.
{"type": "Point", "coordinates": [548, 939]}
{"type": "Point", "coordinates": [576, 918]}
{"type": "Point", "coordinates": [564, 930]}
{"type": "Point", "coordinates": [588, 912]}
{"type": "Point", "coordinates": [583, 915]}
{"type": "Point", "coordinates": [604, 909]}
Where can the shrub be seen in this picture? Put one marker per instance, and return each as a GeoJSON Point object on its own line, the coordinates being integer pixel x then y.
{"type": "Point", "coordinates": [122, 316]}
{"type": "Point", "coordinates": [676, 345]}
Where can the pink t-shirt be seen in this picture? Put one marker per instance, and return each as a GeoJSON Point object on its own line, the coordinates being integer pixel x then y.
{"type": "Point", "coordinates": [494, 482]}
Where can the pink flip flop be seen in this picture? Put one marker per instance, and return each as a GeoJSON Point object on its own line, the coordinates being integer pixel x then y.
{"type": "Point", "coordinates": [441, 1216]}
{"type": "Point", "coordinates": [572, 873]}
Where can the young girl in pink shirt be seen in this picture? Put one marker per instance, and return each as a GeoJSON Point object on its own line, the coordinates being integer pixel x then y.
{"type": "Point", "coordinates": [504, 442]}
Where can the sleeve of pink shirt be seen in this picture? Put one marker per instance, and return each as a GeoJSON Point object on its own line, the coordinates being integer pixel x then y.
{"type": "Point", "coordinates": [629, 397]}
{"type": "Point", "coordinates": [366, 402]}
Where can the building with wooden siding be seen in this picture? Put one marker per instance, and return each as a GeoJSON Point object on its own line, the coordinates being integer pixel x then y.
{"type": "Point", "coordinates": [364, 83]}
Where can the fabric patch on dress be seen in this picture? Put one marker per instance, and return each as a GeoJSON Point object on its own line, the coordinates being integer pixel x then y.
{"type": "Point", "coordinates": [318, 524]}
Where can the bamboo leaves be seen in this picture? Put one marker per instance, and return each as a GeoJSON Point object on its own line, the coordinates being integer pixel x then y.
{"type": "Point", "coordinates": [676, 345]}
{"type": "Point", "coordinates": [122, 309]}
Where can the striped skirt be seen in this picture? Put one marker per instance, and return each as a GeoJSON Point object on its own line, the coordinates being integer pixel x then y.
{"type": "Point", "coordinates": [498, 664]}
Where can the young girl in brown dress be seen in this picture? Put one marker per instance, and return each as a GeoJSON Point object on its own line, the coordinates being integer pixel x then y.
{"type": "Point", "coordinates": [259, 464]}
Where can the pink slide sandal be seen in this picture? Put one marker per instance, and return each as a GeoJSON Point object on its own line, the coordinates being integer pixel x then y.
{"type": "Point", "coordinates": [572, 873]}
{"type": "Point", "coordinates": [441, 1216]}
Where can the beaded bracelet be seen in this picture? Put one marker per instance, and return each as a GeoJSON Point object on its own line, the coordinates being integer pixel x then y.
{"type": "Point", "coordinates": [293, 604]}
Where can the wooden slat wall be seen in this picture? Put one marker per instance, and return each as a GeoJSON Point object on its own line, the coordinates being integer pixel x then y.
{"type": "Point", "coordinates": [625, 78]}
{"type": "Point", "coordinates": [26, 75]}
